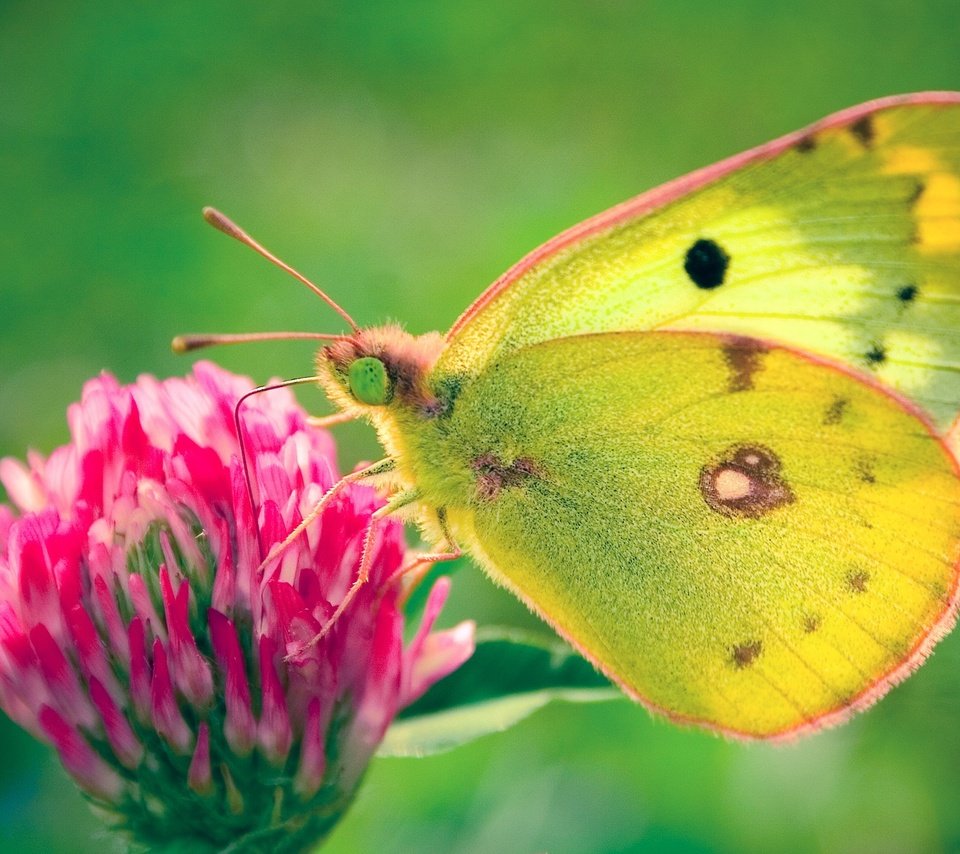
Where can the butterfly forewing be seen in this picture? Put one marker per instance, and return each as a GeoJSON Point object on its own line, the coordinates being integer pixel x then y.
{"type": "Point", "coordinates": [738, 534]}
{"type": "Point", "coordinates": [844, 240]}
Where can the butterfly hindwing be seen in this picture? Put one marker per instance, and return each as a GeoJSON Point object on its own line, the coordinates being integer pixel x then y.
{"type": "Point", "coordinates": [738, 534]}
{"type": "Point", "coordinates": [843, 239]}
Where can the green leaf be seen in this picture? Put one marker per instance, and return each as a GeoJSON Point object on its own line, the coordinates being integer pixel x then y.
{"type": "Point", "coordinates": [510, 675]}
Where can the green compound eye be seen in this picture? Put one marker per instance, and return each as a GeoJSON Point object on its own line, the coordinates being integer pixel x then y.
{"type": "Point", "coordinates": [369, 382]}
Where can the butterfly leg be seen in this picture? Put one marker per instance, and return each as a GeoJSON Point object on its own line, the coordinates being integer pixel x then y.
{"type": "Point", "coordinates": [381, 467]}
{"type": "Point", "coordinates": [419, 564]}
{"type": "Point", "coordinates": [366, 559]}
{"type": "Point", "coordinates": [324, 421]}
{"type": "Point", "coordinates": [415, 571]}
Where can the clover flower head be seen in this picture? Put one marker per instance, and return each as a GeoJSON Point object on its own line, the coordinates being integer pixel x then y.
{"type": "Point", "coordinates": [140, 636]}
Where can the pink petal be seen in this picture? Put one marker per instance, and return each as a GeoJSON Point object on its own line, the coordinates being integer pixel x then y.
{"type": "Point", "coordinates": [239, 727]}
{"type": "Point", "coordinates": [91, 487]}
{"type": "Point", "coordinates": [140, 678]}
{"type": "Point", "coordinates": [273, 732]}
{"type": "Point", "coordinates": [441, 654]}
{"type": "Point", "coordinates": [203, 468]}
{"type": "Point", "coordinates": [93, 655]}
{"type": "Point", "coordinates": [199, 776]}
{"type": "Point", "coordinates": [225, 579]}
{"type": "Point", "coordinates": [61, 678]}
{"type": "Point", "coordinates": [142, 601]}
{"type": "Point", "coordinates": [126, 747]}
{"type": "Point", "coordinates": [190, 668]}
{"type": "Point", "coordinates": [111, 617]}
{"type": "Point", "coordinates": [24, 489]}
{"type": "Point", "coordinates": [39, 600]}
{"type": "Point", "coordinates": [430, 657]}
{"type": "Point", "coordinates": [167, 718]}
{"type": "Point", "coordinates": [69, 581]}
{"type": "Point", "coordinates": [89, 770]}
{"type": "Point", "coordinates": [6, 522]}
{"type": "Point", "coordinates": [435, 602]}
{"type": "Point", "coordinates": [313, 759]}
{"type": "Point", "coordinates": [379, 694]}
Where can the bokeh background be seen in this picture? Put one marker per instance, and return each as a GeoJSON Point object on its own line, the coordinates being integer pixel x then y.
{"type": "Point", "coordinates": [404, 154]}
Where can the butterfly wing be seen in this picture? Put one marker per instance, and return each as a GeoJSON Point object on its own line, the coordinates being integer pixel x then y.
{"type": "Point", "coordinates": [843, 239]}
{"type": "Point", "coordinates": [740, 535]}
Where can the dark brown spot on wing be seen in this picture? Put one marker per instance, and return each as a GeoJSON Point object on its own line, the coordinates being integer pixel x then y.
{"type": "Point", "coordinates": [744, 358]}
{"type": "Point", "coordinates": [865, 469]}
{"type": "Point", "coordinates": [835, 411]}
{"type": "Point", "coordinates": [745, 654]}
{"type": "Point", "coordinates": [864, 131]}
{"type": "Point", "coordinates": [493, 475]}
{"type": "Point", "coordinates": [857, 580]}
{"type": "Point", "coordinates": [745, 482]}
{"type": "Point", "coordinates": [811, 623]}
{"type": "Point", "coordinates": [806, 145]}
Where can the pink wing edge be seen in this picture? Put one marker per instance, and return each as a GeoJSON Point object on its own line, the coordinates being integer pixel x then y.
{"type": "Point", "coordinates": [685, 184]}
{"type": "Point", "coordinates": [879, 687]}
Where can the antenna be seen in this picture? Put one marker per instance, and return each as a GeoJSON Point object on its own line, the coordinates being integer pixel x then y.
{"type": "Point", "coordinates": [238, 425]}
{"type": "Point", "coordinates": [231, 229]}
{"type": "Point", "coordinates": [186, 343]}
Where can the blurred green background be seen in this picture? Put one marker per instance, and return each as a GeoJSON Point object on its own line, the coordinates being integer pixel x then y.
{"type": "Point", "coordinates": [404, 154]}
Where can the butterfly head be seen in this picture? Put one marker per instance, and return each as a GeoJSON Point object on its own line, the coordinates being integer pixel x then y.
{"type": "Point", "coordinates": [380, 367]}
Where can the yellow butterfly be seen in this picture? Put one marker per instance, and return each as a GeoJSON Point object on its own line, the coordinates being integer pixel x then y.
{"type": "Point", "coordinates": [701, 433]}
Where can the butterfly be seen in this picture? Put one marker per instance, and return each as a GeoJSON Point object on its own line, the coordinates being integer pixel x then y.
{"type": "Point", "coordinates": [702, 433]}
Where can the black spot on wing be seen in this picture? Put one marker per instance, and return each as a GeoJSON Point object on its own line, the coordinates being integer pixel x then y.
{"type": "Point", "coordinates": [706, 264]}
{"type": "Point", "coordinates": [806, 145]}
{"type": "Point", "coordinates": [907, 294]}
{"type": "Point", "coordinates": [876, 355]}
{"type": "Point", "coordinates": [864, 131]}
